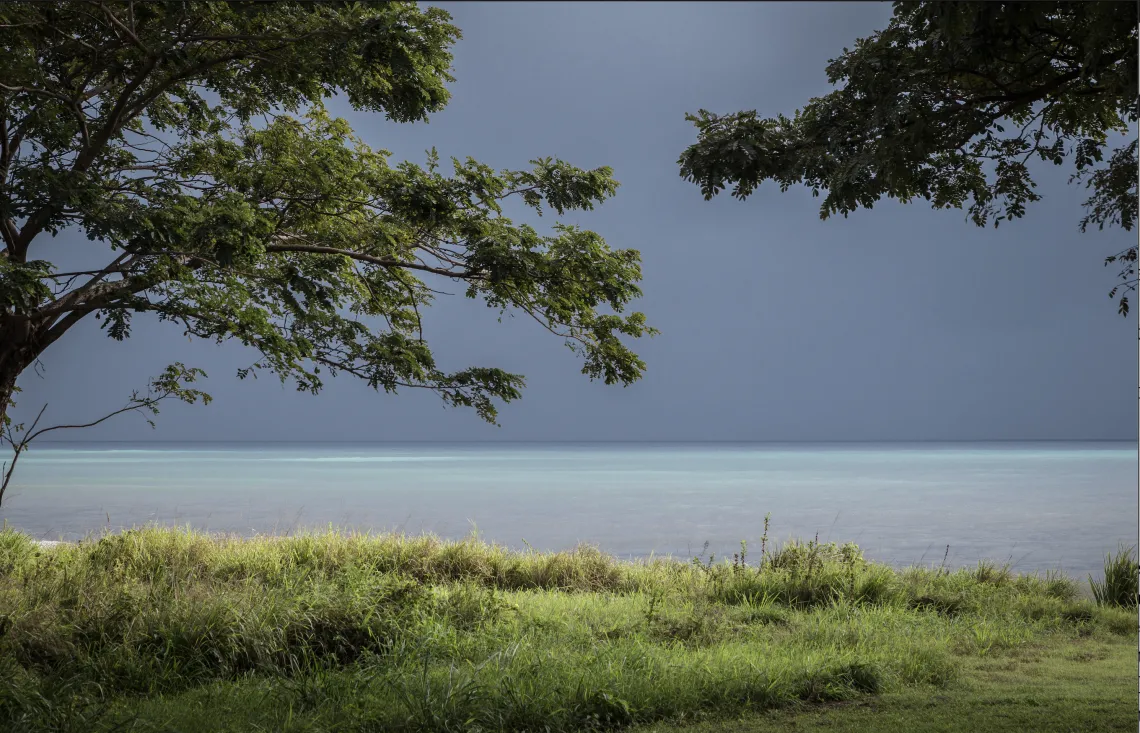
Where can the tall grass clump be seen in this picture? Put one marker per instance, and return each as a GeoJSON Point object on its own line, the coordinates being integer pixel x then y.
{"type": "Point", "coordinates": [1121, 575]}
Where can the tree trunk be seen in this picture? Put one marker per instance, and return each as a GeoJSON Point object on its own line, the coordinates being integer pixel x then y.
{"type": "Point", "coordinates": [7, 387]}
{"type": "Point", "coordinates": [19, 348]}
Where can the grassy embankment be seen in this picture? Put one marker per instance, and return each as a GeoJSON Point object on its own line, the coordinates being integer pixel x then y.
{"type": "Point", "coordinates": [161, 630]}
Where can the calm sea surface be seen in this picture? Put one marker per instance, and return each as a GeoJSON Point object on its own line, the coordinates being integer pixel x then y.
{"type": "Point", "coordinates": [1047, 505]}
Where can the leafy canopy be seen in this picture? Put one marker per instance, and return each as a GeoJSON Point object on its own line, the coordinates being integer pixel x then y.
{"type": "Point", "coordinates": [949, 103]}
{"type": "Point", "coordinates": [192, 137]}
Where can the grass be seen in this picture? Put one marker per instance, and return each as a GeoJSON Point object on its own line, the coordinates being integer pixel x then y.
{"type": "Point", "coordinates": [165, 630]}
{"type": "Point", "coordinates": [1070, 686]}
{"type": "Point", "coordinates": [1121, 576]}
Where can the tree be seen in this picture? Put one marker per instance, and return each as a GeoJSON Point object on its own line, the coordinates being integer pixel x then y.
{"type": "Point", "coordinates": [949, 103]}
{"type": "Point", "coordinates": [191, 137]}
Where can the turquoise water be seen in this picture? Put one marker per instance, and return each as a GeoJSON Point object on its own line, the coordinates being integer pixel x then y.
{"type": "Point", "coordinates": [1050, 505]}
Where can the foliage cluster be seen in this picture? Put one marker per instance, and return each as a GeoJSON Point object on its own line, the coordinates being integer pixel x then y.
{"type": "Point", "coordinates": [949, 104]}
{"type": "Point", "coordinates": [191, 144]}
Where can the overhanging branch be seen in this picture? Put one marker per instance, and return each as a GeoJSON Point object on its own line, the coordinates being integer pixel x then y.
{"type": "Point", "coordinates": [381, 261]}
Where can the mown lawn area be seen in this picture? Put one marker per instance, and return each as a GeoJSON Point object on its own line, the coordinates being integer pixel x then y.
{"type": "Point", "coordinates": [168, 630]}
{"type": "Point", "coordinates": [1062, 686]}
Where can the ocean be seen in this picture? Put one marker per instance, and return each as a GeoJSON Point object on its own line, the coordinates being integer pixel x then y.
{"type": "Point", "coordinates": [1035, 505]}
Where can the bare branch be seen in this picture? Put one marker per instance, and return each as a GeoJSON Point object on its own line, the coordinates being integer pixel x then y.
{"type": "Point", "coordinates": [18, 448]}
{"type": "Point", "coordinates": [167, 386]}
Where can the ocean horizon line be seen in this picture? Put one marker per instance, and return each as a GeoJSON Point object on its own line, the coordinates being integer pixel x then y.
{"type": "Point", "coordinates": [931, 441]}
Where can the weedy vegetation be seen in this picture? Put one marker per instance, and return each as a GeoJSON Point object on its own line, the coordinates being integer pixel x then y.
{"type": "Point", "coordinates": [160, 629]}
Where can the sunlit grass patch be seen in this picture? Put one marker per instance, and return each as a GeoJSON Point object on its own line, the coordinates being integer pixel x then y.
{"type": "Point", "coordinates": [332, 631]}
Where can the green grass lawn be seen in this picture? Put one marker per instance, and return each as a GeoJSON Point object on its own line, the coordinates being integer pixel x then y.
{"type": "Point", "coordinates": [162, 630]}
{"type": "Point", "coordinates": [1063, 686]}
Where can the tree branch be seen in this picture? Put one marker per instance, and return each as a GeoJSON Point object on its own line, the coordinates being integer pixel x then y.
{"type": "Point", "coordinates": [167, 386]}
{"type": "Point", "coordinates": [382, 261]}
{"type": "Point", "coordinates": [18, 448]}
{"type": "Point", "coordinates": [123, 27]}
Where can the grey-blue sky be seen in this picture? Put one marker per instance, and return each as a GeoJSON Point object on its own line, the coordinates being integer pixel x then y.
{"type": "Point", "coordinates": [896, 323]}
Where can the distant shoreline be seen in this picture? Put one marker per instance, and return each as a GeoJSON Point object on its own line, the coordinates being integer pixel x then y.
{"type": "Point", "coordinates": [911, 441]}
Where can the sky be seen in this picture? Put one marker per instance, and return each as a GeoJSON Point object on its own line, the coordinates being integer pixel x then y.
{"type": "Point", "coordinates": [898, 323]}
